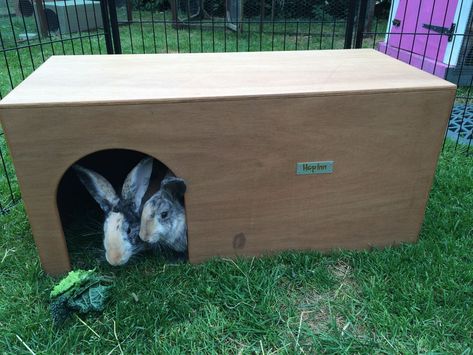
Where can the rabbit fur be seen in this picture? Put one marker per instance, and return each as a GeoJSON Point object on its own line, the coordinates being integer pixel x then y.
{"type": "Point", "coordinates": [122, 212]}
{"type": "Point", "coordinates": [163, 219]}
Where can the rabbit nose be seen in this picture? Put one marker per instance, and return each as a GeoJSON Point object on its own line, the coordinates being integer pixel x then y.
{"type": "Point", "coordinates": [143, 236]}
{"type": "Point", "coordinates": [115, 259]}
{"type": "Point", "coordinates": [118, 262]}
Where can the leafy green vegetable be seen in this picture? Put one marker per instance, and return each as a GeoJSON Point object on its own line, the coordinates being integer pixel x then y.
{"type": "Point", "coordinates": [73, 280]}
{"type": "Point", "coordinates": [59, 310]}
{"type": "Point", "coordinates": [80, 291]}
{"type": "Point", "coordinates": [92, 299]}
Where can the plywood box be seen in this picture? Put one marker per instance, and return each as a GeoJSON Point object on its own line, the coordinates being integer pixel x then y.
{"type": "Point", "coordinates": [235, 126]}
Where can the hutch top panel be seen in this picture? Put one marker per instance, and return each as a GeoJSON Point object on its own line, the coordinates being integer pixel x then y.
{"type": "Point", "coordinates": [122, 79]}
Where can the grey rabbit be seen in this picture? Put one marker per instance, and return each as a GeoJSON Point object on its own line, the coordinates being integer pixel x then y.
{"type": "Point", "coordinates": [163, 219]}
{"type": "Point", "coordinates": [122, 213]}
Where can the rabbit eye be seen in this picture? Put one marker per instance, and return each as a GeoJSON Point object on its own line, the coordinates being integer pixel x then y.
{"type": "Point", "coordinates": [164, 214]}
{"type": "Point", "coordinates": [128, 231]}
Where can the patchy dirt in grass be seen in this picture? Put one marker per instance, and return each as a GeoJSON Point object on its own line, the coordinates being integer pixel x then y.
{"type": "Point", "coordinates": [341, 270]}
{"type": "Point", "coordinates": [326, 312]}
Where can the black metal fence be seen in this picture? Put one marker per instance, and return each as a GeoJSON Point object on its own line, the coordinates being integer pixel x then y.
{"type": "Point", "coordinates": [433, 35]}
{"type": "Point", "coordinates": [218, 25]}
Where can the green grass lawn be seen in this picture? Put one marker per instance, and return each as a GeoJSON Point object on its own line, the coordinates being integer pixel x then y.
{"type": "Point", "coordinates": [9, 192]}
{"type": "Point", "coordinates": [412, 298]}
{"type": "Point", "coordinates": [407, 299]}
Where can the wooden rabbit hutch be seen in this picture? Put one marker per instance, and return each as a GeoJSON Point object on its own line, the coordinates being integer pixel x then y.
{"type": "Point", "coordinates": [280, 150]}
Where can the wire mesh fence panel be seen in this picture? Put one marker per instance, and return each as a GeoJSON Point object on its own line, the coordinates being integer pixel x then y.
{"type": "Point", "coordinates": [31, 32]}
{"type": "Point", "coordinates": [434, 36]}
{"type": "Point", "coordinates": [231, 25]}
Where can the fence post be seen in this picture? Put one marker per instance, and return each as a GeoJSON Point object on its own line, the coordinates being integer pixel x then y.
{"type": "Point", "coordinates": [106, 26]}
{"type": "Point", "coordinates": [129, 11]}
{"type": "Point", "coordinates": [261, 18]}
{"type": "Point", "coordinates": [350, 23]}
{"type": "Point", "coordinates": [117, 45]}
{"type": "Point", "coordinates": [361, 24]}
{"type": "Point", "coordinates": [175, 21]}
{"type": "Point", "coordinates": [42, 20]}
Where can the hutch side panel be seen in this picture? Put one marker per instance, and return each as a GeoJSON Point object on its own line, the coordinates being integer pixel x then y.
{"type": "Point", "coordinates": [239, 159]}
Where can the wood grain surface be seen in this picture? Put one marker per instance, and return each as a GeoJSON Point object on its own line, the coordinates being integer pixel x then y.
{"type": "Point", "coordinates": [239, 155]}
{"type": "Point", "coordinates": [113, 79]}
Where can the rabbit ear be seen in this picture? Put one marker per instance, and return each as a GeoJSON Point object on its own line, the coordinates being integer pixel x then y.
{"type": "Point", "coordinates": [136, 183]}
{"type": "Point", "coordinates": [176, 187]}
{"type": "Point", "coordinates": [169, 174]}
{"type": "Point", "coordinates": [100, 189]}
